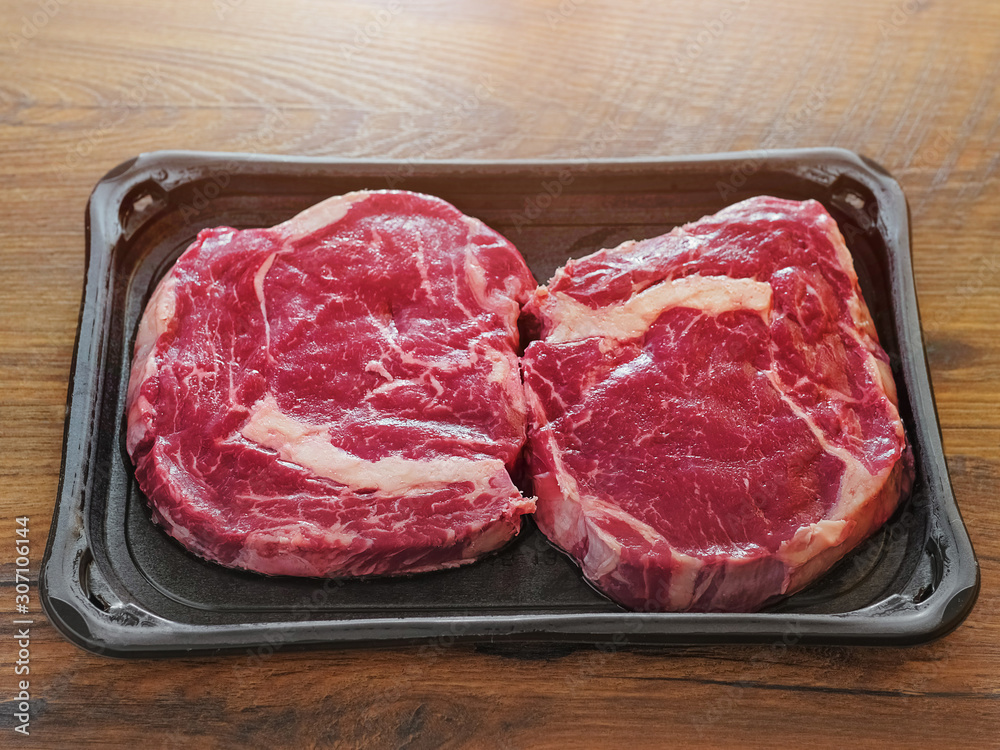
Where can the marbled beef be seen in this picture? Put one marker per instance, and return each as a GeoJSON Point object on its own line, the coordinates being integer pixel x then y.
{"type": "Point", "coordinates": [713, 423]}
{"type": "Point", "coordinates": [336, 395]}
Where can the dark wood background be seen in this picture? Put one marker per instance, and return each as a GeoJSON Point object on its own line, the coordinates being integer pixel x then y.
{"type": "Point", "coordinates": [913, 84]}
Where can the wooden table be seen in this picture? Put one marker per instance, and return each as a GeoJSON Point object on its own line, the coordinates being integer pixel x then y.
{"type": "Point", "coordinates": [912, 83]}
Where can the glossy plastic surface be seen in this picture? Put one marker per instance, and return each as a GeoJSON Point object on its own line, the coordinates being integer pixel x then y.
{"type": "Point", "coordinates": [116, 584]}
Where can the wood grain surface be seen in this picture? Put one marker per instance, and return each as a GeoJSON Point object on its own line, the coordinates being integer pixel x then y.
{"type": "Point", "coordinates": [911, 83]}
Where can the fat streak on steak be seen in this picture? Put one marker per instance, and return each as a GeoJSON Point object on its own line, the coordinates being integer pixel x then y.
{"type": "Point", "coordinates": [336, 395]}
{"type": "Point", "coordinates": [713, 423]}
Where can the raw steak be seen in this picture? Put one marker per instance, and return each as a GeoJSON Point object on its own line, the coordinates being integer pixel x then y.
{"type": "Point", "coordinates": [336, 395]}
{"type": "Point", "coordinates": [713, 423]}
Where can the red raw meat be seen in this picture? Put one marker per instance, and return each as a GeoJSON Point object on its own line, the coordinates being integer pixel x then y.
{"type": "Point", "coordinates": [336, 395]}
{"type": "Point", "coordinates": [713, 423]}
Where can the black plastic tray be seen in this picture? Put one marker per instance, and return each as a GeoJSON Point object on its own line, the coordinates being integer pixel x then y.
{"type": "Point", "coordinates": [116, 584]}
